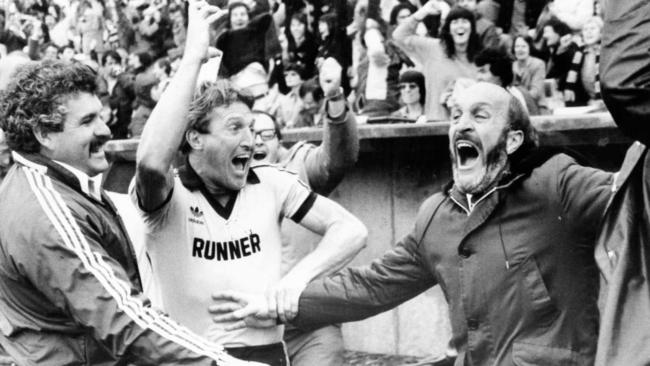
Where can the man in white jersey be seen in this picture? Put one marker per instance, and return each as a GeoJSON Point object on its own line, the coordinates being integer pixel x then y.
{"type": "Point", "coordinates": [215, 225]}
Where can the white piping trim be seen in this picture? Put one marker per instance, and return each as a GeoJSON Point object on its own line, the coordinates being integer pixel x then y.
{"type": "Point", "coordinates": [62, 219]}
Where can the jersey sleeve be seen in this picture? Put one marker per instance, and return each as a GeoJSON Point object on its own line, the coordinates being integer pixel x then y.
{"type": "Point", "coordinates": [161, 216]}
{"type": "Point", "coordinates": [294, 198]}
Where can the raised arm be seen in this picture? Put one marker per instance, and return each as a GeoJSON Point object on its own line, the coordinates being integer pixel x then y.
{"type": "Point", "coordinates": [164, 131]}
{"type": "Point", "coordinates": [339, 150]}
{"type": "Point", "coordinates": [416, 46]}
{"type": "Point", "coordinates": [624, 66]}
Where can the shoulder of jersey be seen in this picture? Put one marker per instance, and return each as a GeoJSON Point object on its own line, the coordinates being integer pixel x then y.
{"type": "Point", "coordinates": [263, 168]}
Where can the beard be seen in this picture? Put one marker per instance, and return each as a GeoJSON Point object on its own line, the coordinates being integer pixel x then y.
{"type": "Point", "coordinates": [496, 166]}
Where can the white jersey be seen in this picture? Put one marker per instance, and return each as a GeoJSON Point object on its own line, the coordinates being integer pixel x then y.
{"type": "Point", "coordinates": [198, 247]}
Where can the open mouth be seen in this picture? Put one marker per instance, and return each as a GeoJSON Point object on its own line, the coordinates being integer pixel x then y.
{"type": "Point", "coordinates": [467, 154]}
{"type": "Point", "coordinates": [240, 161]}
{"type": "Point", "coordinates": [259, 155]}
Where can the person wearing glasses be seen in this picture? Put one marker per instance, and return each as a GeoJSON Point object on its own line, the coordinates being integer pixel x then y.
{"type": "Point", "coordinates": [322, 168]}
{"type": "Point", "coordinates": [215, 224]}
{"type": "Point", "coordinates": [412, 94]}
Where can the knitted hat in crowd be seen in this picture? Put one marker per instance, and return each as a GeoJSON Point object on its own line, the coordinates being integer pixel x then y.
{"type": "Point", "coordinates": [252, 79]}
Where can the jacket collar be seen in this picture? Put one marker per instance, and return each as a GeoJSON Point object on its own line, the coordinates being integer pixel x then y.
{"type": "Point", "coordinates": [79, 181]}
{"type": "Point", "coordinates": [191, 180]}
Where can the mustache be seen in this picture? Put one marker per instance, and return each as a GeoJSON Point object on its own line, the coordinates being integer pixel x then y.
{"type": "Point", "coordinates": [99, 141]}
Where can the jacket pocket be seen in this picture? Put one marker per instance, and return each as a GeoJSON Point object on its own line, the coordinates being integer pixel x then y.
{"type": "Point", "coordinates": [525, 354]}
{"type": "Point", "coordinates": [544, 310]}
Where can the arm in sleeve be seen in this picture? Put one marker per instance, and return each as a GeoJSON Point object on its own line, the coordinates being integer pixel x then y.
{"type": "Point", "coordinates": [69, 266]}
{"type": "Point", "coordinates": [584, 192]}
{"type": "Point", "coordinates": [538, 71]}
{"type": "Point", "coordinates": [417, 47]}
{"type": "Point", "coordinates": [358, 293]}
{"type": "Point", "coordinates": [338, 152]}
{"type": "Point", "coordinates": [624, 67]}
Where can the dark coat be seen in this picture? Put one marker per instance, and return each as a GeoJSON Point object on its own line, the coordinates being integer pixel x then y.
{"type": "Point", "coordinates": [517, 269]}
{"type": "Point", "coordinates": [623, 249]}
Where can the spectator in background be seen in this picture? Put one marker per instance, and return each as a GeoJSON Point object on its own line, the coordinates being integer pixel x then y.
{"type": "Point", "coordinates": [495, 66]}
{"type": "Point", "coordinates": [143, 104]}
{"type": "Point", "coordinates": [244, 41]}
{"type": "Point", "coordinates": [591, 33]}
{"type": "Point", "coordinates": [401, 12]}
{"type": "Point", "coordinates": [562, 50]}
{"type": "Point", "coordinates": [412, 91]}
{"type": "Point", "coordinates": [312, 97]}
{"type": "Point", "coordinates": [123, 95]}
{"type": "Point", "coordinates": [290, 104]}
{"type": "Point", "coordinates": [67, 53]}
{"type": "Point", "coordinates": [89, 25]}
{"type": "Point", "coordinates": [377, 90]}
{"type": "Point", "coordinates": [49, 51]}
{"type": "Point", "coordinates": [443, 60]}
{"type": "Point", "coordinates": [486, 30]}
{"type": "Point", "coordinates": [529, 71]}
{"type": "Point", "coordinates": [302, 47]}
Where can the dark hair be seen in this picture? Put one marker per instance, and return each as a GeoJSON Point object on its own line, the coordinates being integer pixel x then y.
{"type": "Point", "coordinates": [145, 59]}
{"type": "Point", "coordinates": [330, 20]}
{"type": "Point", "coordinates": [500, 64]}
{"type": "Point", "coordinates": [276, 125]}
{"type": "Point", "coordinates": [474, 44]}
{"type": "Point", "coordinates": [32, 99]}
{"type": "Point", "coordinates": [399, 7]}
{"type": "Point", "coordinates": [296, 67]}
{"type": "Point", "coordinates": [519, 120]}
{"type": "Point", "coordinates": [47, 45]}
{"type": "Point", "coordinates": [211, 95]}
{"type": "Point", "coordinates": [412, 76]}
{"type": "Point", "coordinates": [558, 26]}
{"type": "Point", "coordinates": [234, 5]}
{"type": "Point", "coordinates": [311, 86]}
{"type": "Point", "coordinates": [112, 54]}
{"type": "Point", "coordinates": [529, 41]}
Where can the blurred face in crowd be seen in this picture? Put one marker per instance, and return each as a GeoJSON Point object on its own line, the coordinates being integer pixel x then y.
{"type": "Point", "coordinates": [133, 61]}
{"type": "Point", "coordinates": [323, 30]}
{"type": "Point", "coordinates": [267, 144]}
{"type": "Point", "coordinates": [67, 54]}
{"type": "Point", "coordinates": [292, 79]}
{"type": "Point", "coordinates": [402, 15]}
{"type": "Point", "coordinates": [81, 143]}
{"type": "Point", "coordinates": [550, 36]}
{"type": "Point", "coordinates": [460, 30]}
{"type": "Point", "coordinates": [50, 21]}
{"type": "Point", "coordinates": [409, 92]}
{"type": "Point", "coordinates": [51, 53]}
{"type": "Point", "coordinates": [486, 75]}
{"type": "Point", "coordinates": [228, 146]}
{"type": "Point", "coordinates": [467, 4]}
{"type": "Point", "coordinates": [479, 138]}
{"type": "Point", "coordinates": [310, 103]}
{"type": "Point", "coordinates": [591, 33]}
{"type": "Point", "coordinates": [522, 50]}
{"type": "Point", "coordinates": [238, 17]}
{"type": "Point", "coordinates": [297, 29]}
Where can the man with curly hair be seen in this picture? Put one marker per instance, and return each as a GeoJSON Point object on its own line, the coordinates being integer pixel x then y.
{"type": "Point", "coordinates": [70, 290]}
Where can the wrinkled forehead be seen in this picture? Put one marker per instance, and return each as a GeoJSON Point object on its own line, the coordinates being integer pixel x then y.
{"type": "Point", "coordinates": [234, 113]}
{"type": "Point", "coordinates": [262, 121]}
{"type": "Point", "coordinates": [485, 94]}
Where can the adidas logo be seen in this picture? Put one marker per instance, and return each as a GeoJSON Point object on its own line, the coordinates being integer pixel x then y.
{"type": "Point", "coordinates": [196, 211]}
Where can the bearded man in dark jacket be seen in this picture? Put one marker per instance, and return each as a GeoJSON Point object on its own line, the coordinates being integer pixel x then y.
{"type": "Point", "coordinates": [510, 242]}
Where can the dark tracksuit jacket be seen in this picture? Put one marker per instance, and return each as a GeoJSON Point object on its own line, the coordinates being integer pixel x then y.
{"type": "Point", "coordinates": [70, 291]}
{"type": "Point", "coordinates": [517, 269]}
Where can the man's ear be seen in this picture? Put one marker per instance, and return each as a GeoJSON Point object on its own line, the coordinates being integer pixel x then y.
{"type": "Point", "coordinates": [43, 137]}
{"type": "Point", "coordinates": [514, 140]}
{"type": "Point", "coordinates": [194, 139]}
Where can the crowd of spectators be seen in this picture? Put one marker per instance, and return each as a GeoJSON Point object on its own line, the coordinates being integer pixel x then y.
{"type": "Point", "coordinates": [400, 58]}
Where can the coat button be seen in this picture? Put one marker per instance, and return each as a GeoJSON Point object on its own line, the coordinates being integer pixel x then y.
{"type": "Point", "coordinates": [472, 324]}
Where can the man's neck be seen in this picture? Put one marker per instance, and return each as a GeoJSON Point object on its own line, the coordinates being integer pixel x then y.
{"type": "Point", "coordinates": [216, 190]}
